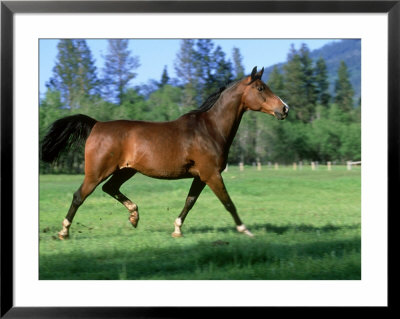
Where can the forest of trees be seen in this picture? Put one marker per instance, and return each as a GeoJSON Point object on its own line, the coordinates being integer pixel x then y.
{"type": "Point", "coordinates": [321, 126]}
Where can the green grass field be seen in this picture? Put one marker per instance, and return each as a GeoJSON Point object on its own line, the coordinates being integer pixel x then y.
{"type": "Point", "coordinates": [307, 225]}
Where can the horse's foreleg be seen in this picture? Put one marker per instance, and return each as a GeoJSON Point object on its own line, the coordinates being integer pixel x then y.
{"type": "Point", "coordinates": [194, 192]}
{"type": "Point", "coordinates": [112, 186]}
{"type": "Point", "coordinates": [216, 184]}
{"type": "Point", "coordinates": [80, 195]}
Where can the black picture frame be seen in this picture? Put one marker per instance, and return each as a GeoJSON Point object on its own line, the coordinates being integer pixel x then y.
{"type": "Point", "coordinates": [9, 8]}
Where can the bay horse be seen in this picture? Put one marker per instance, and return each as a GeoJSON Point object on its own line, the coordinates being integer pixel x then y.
{"type": "Point", "coordinates": [194, 146]}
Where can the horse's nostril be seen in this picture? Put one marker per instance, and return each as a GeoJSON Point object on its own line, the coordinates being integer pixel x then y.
{"type": "Point", "coordinates": [286, 109]}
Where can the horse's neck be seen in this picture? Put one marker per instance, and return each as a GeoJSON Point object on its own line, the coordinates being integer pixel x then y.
{"type": "Point", "coordinates": [226, 115]}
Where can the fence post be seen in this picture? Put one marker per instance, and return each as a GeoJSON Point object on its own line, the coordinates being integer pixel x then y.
{"type": "Point", "coordinates": [258, 166]}
{"type": "Point", "coordinates": [226, 168]}
{"type": "Point", "coordinates": [349, 165]}
{"type": "Point", "coordinates": [313, 166]}
{"type": "Point", "coordinates": [329, 166]}
{"type": "Point", "coordinates": [294, 166]}
{"type": "Point", "coordinates": [241, 167]}
{"type": "Point", "coordinates": [276, 166]}
{"type": "Point", "coordinates": [300, 165]}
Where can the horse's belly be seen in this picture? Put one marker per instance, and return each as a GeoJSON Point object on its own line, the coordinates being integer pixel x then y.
{"type": "Point", "coordinates": [159, 156]}
{"type": "Point", "coordinates": [163, 168]}
{"type": "Point", "coordinates": [164, 172]}
{"type": "Point", "coordinates": [167, 175]}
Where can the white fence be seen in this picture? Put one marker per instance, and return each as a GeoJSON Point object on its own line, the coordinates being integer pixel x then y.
{"type": "Point", "coordinates": [350, 164]}
{"type": "Point", "coordinates": [299, 165]}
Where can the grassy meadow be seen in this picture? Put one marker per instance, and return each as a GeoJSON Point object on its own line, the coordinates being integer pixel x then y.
{"type": "Point", "coordinates": [307, 226]}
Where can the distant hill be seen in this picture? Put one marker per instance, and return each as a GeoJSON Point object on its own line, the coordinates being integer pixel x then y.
{"type": "Point", "coordinates": [348, 50]}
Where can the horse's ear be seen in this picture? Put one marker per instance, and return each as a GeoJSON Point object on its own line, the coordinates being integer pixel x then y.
{"type": "Point", "coordinates": [253, 73]}
{"type": "Point", "coordinates": [259, 74]}
{"type": "Point", "coordinates": [256, 75]}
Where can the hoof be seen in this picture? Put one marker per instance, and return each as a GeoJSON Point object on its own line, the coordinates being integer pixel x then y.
{"type": "Point", "coordinates": [62, 236]}
{"type": "Point", "coordinates": [176, 235]}
{"type": "Point", "coordinates": [134, 219]}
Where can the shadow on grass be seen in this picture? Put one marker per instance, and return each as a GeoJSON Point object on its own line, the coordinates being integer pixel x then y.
{"type": "Point", "coordinates": [236, 260]}
{"type": "Point", "coordinates": [277, 229]}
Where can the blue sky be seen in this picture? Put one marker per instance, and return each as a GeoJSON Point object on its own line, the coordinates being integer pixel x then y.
{"type": "Point", "coordinates": [154, 54]}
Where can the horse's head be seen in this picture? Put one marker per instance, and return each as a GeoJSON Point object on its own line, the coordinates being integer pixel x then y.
{"type": "Point", "coordinates": [257, 96]}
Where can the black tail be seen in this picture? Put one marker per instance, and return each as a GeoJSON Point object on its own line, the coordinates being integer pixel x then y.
{"type": "Point", "coordinates": [64, 133]}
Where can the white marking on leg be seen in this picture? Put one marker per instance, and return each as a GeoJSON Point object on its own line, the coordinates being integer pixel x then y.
{"type": "Point", "coordinates": [131, 206]}
{"type": "Point", "coordinates": [65, 230]}
{"type": "Point", "coordinates": [66, 223]}
{"type": "Point", "coordinates": [178, 224]}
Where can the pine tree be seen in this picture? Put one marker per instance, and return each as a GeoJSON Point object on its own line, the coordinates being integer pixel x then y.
{"type": "Point", "coordinates": [74, 74]}
{"type": "Point", "coordinates": [344, 92]}
{"type": "Point", "coordinates": [119, 69]}
{"type": "Point", "coordinates": [205, 66]}
{"type": "Point", "coordinates": [294, 93]}
{"type": "Point", "coordinates": [185, 69]}
{"type": "Point", "coordinates": [164, 77]}
{"type": "Point", "coordinates": [65, 71]}
{"type": "Point", "coordinates": [300, 91]}
{"type": "Point", "coordinates": [223, 69]}
{"type": "Point", "coordinates": [276, 82]}
{"type": "Point", "coordinates": [322, 84]}
{"type": "Point", "coordinates": [309, 86]}
{"type": "Point", "coordinates": [89, 82]}
{"type": "Point", "coordinates": [237, 63]}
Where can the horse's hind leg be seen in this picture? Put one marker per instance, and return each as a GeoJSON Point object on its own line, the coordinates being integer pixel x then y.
{"type": "Point", "coordinates": [80, 195]}
{"type": "Point", "coordinates": [112, 186]}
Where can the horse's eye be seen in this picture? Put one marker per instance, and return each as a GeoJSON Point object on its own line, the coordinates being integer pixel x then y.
{"type": "Point", "coordinates": [260, 88]}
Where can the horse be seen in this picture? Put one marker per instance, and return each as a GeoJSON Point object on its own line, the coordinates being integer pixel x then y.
{"type": "Point", "coordinates": [195, 145]}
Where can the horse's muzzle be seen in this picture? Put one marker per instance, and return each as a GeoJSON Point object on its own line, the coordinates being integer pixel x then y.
{"type": "Point", "coordinates": [284, 114]}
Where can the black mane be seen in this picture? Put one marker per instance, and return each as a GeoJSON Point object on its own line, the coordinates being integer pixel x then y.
{"type": "Point", "coordinates": [210, 101]}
